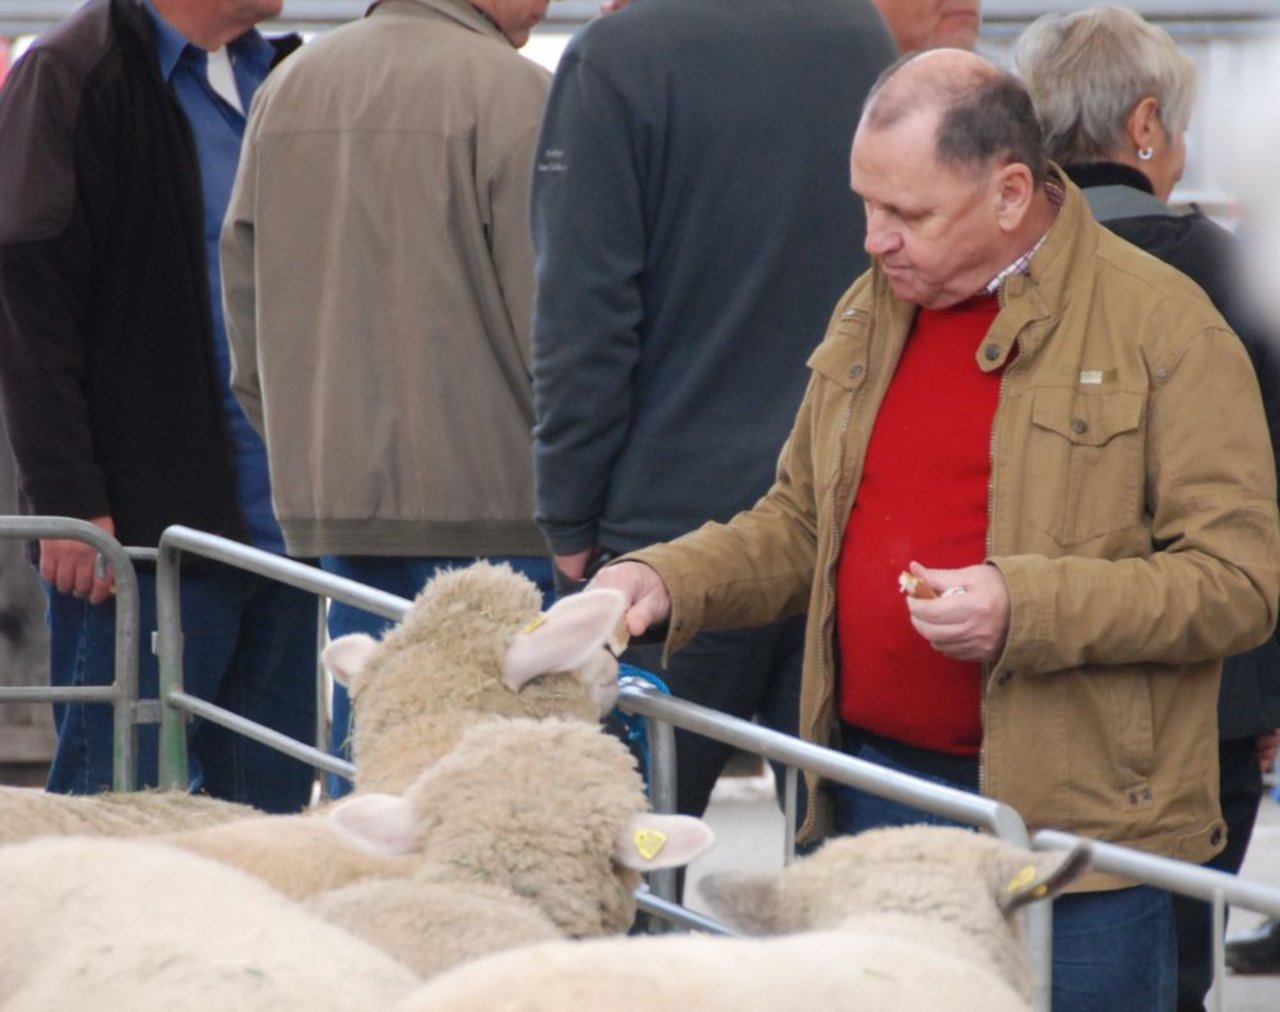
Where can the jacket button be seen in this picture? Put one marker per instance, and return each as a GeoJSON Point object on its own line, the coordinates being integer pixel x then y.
{"type": "Point", "coordinates": [1005, 678]}
{"type": "Point", "coordinates": [855, 371]}
{"type": "Point", "coordinates": [1079, 426]}
{"type": "Point", "coordinates": [1215, 837]}
{"type": "Point", "coordinates": [992, 351]}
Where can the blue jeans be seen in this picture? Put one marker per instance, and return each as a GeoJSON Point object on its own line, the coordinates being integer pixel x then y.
{"type": "Point", "coordinates": [249, 646]}
{"type": "Point", "coordinates": [403, 577]}
{"type": "Point", "coordinates": [1113, 951]}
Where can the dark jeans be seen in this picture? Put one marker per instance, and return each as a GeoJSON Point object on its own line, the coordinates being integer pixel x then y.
{"type": "Point", "coordinates": [403, 577]}
{"type": "Point", "coordinates": [1112, 951]}
{"type": "Point", "coordinates": [249, 645]}
{"type": "Point", "coordinates": [1240, 791]}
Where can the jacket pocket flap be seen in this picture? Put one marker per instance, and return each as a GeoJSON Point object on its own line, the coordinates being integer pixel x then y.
{"type": "Point", "coordinates": [842, 355]}
{"type": "Point", "coordinates": [1087, 419]}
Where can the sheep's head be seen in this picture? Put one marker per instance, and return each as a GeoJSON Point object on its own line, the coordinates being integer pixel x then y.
{"type": "Point", "coordinates": [553, 810]}
{"type": "Point", "coordinates": [898, 879]}
{"type": "Point", "coordinates": [474, 643]}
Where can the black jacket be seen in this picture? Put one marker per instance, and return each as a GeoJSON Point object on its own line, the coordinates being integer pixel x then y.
{"type": "Point", "coordinates": [1121, 198]}
{"type": "Point", "coordinates": [107, 370]}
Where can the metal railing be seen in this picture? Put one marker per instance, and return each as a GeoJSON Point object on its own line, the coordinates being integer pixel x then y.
{"type": "Point", "coordinates": [178, 541]}
{"type": "Point", "coordinates": [122, 693]}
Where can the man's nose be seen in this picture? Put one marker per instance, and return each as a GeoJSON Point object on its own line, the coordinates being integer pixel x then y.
{"type": "Point", "coordinates": [881, 237]}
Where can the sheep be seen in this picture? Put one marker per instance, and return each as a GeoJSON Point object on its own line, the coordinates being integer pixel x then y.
{"type": "Point", "coordinates": [549, 813]}
{"type": "Point", "coordinates": [135, 924]}
{"type": "Point", "coordinates": [473, 643]}
{"type": "Point", "coordinates": [912, 917]}
{"type": "Point", "coordinates": [535, 807]}
{"type": "Point", "coordinates": [26, 812]}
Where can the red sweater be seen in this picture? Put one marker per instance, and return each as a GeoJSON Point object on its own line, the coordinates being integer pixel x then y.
{"type": "Point", "coordinates": [923, 497]}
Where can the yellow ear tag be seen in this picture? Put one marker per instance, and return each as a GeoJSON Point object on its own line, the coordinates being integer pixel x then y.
{"type": "Point", "coordinates": [534, 623]}
{"type": "Point", "coordinates": [1040, 891]}
{"type": "Point", "coordinates": [1023, 879]}
{"type": "Point", "coordinates": [649, 842]}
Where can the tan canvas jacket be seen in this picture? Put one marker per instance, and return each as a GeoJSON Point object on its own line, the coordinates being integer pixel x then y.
{"type": "Point", "coordinates": [378, 282]}
{"type": "Point", "coordinates": [1132, 513]}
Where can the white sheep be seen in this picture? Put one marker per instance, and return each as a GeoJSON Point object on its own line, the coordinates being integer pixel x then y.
{"type": "Point", "coordinates": [474, 643]}
{"type": "Point", "coordinates": [26, 812]}
{"type": "Point", "coordinates": [893, 919]}
{"type": "Point", "coordinates": [545, 809]}
{"type": "Point", "coordinates": [96, 923]}
{"type": "Point", "coordinates": [550, 813]}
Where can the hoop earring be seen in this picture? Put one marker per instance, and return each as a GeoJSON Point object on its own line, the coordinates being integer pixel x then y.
{"type": "Point", "coordinates": [1144, 154]}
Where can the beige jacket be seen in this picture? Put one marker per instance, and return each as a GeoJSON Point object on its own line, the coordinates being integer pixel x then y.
{"type": "Point", "coordinates": [1132, 513]}
{"type": "Point", "coordinates": [378, 284]}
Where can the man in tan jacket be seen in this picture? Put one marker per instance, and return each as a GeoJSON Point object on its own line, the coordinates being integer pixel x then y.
{"type": "Point", "coordinates": [378, 280]}
{"type": "Point", "coordinates": [1055, 423]}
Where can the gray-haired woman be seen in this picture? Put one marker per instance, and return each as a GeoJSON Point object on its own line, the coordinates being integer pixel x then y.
{"type": "Point", "coordinates": [1114, 96]}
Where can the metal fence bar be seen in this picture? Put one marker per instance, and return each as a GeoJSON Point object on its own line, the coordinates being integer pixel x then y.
{"type": "Point", "coordinates": [1168, 873]}
{"type": "Point", "coordinates": [993, 815]}
{"type": "Point", "coordinates": [174, 542]}
{"type": "Point", "coordinates": [678, 915]}
{"type": "Point", "coordinates": [122, 694]}
{"type": "Point", "coordinates": [1214, 887]}
{"type": "Point", "coordinates": [319, 758]}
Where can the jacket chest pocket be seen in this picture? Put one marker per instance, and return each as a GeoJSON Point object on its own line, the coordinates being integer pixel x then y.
{"type": "Point", "coordinates": [1085, 462]}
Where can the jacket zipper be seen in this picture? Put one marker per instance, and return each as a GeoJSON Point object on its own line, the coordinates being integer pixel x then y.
{"type": "Point", "coordinates": [987, 666]}
{"type": "Point", "coordinates": [826, 663]}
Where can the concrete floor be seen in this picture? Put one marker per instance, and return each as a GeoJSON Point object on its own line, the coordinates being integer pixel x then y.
{"type": "Point", "coordinates": [749, 827]}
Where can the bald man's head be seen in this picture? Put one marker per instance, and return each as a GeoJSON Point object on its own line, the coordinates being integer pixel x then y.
{"type": "Point", "coordinates": [947, 160]}
{"type": "Point", "coordinates": [981, 112]}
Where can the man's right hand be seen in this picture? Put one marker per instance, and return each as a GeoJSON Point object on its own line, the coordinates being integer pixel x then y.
{"type": "Point", "coordinates": [70, 565]}
{"type": "Point", "coordinates": [648, 600]}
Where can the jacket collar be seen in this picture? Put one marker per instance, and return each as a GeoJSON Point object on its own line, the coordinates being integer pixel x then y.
{"type": "Point", "coordinates": [1057, 271]}
{"type": "Point", "coordinates": [456, 10]}
{"type": "Point", "coordinates": [1027, 301]}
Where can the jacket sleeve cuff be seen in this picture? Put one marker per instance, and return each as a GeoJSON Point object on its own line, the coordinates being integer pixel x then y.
{"type": "Point", "coordinates": [1029, 638]}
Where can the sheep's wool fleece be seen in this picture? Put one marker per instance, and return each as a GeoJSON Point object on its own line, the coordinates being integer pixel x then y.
{"type": "Point", "coordinates": [133, 924]}
{"type": "Point", "coordinates": [435, 671]}
{"type": "Point", "coordinates": [537, 807]}
{"type": "Point", "coordinates": [833, 971]}
{"type": "Point", "coordinates": [433, 926]}
{"type": "Point", "coordinates": [300, 855]}
{"type": "Point", "coordinates": [26, 813]}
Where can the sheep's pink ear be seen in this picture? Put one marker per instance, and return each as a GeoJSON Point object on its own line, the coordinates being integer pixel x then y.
{"type": "Point", "coordinates": [564, 637]}
{"type": "Point", "coordinates": [346, 657]}
{"type": "Point", "coordinates": [379, 824]}
{"type": "Point", "coordinates": [651, 841]}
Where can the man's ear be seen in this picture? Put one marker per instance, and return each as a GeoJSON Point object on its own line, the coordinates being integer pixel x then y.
{"type": "Point", "coordinates": [1014, 190]}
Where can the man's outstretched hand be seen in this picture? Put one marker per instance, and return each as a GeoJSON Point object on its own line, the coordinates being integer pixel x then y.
{"type": "Point", "coordinates": [648, 601]}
